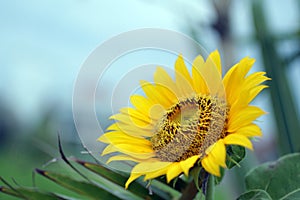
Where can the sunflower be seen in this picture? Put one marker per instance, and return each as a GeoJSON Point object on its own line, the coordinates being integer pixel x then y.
{"type": "Point", "coordinates": [188, 121]}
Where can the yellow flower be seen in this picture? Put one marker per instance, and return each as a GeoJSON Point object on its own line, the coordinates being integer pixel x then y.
{"type": "Point", "coordinates": [187, 121]}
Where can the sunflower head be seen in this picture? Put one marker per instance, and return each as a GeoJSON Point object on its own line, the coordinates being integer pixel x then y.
{"type": "Point", "coordinates": [188, 121]}
{"type": "Point", "coordinates": [188, 128]}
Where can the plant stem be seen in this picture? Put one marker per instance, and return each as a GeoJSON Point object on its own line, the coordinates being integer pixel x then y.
{"type": "Point", "coordinates": [210, 188]}
{"type": "Point", "coordinates": [189, 192]}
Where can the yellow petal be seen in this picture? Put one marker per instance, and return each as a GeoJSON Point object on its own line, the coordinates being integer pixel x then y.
{"type": "Point", "coordinates": [182, 70]}
{"type": "Point", "coordinates": [136, 115]}
{"type": "Point", "coordinates": [216, 59]}
{"type": "Point", "coordinates": [255, 91]}
{"type": "Point", "coordinates": [136, 151]}
{"type": "Point", "coordinates": [212, 77]}
{"type": "Point", "coordinates": [161, 77]}
{"type": "Point", "coordinates": [234, 79]}
{"type": "Point", "coordinates": [153, 95]}
{"type": "Point", "coordinates": [238, 140]}
{"type": "Point", "coordinates": [218, 151]}
{"type": "Point", "coordinates": [118, 137]}
{"type": "Point", "coordinates": [247, 96]}
{"type": "Point", "coordinates": [147, 107]}
{"type": "Point", "coordinates": [199, 83]}
{"type": "Point", "coordinates": [251, 130]}
{"type": "Point", "coordinates": [255, 79]}
{"type": "Point", "coordinates": [248, 88]}
{"type": "Point", "coordinates": [167, 94]}
{"type": "Point", "coordinates": [227, 77]}
{"type": "Point", "coordinates": [188, 163]}
{"type": "Point", "coordinates": [183, 82]}
{"type": "Point", "coordinates": [137, 148]}
{"type": "Point", "coordinates": [132, 177]}
{"type": "Point", "coordinates": [173, 171]}
{"type": "Point", "coordinates": [125, 118]}
{"type": "Point", "coordinates": [109, 149]}
{"type": "Point", "coordinates": [133, 113]}
{"type": "Point", "coordinates": [238, 119]}
{"type": "Point", "coordinates": [131, 129]}
{"type": "Point", "coordinates": [147, 167]}
{"type": "Point", "coordinates": [129, 158]}
{"type": "Point", "coordinates": [103, 139]}
{"type": "Point", "coordinates": [157, 173]}
{"type": "Point", "coordinates": [247, 112]}
{"type": "Point", "coordinates": [141, 103]}
{"type": "Point", "coordinates": [209, 165]}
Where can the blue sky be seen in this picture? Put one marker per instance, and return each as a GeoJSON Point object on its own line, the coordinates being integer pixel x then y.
{"type": "Point", "coordinates": [44, 43]}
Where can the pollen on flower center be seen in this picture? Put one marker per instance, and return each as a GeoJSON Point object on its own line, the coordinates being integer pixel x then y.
{"type": "Point", "coordinates": [189, 127]}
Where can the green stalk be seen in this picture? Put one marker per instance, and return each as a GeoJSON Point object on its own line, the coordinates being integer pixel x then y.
{"type": "Point", "coordinates": [283, 102]}
{"type": "Point", "coordinates": [189, 192]}
{"type": "Point", "coordinates": [210, 188]}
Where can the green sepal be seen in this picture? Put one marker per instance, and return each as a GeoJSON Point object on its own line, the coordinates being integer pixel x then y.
{"type": "Point", "coordinates": [218, 179]}
{"type": "Point", "coordinates": [174, 182]}
{"type": "Point", "coordinates": [235, 154]}
{"type": "Point", "coordinates": [195, 173]}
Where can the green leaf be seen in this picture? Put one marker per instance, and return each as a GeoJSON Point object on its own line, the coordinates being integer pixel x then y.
{"type": "Point", "coordinates": [166, 188]}
{"type": "Point", "coordinates": [104, 172]}
{"type": "Point", "coordinates": [218, 179]}
{"type": "Point", "coordinates": [30, 193]}
{"type": "Point", "coordinates": [120, 180]}
{"type": "Point", "coordinates": [89, 190]}
{"type": "Point", "coordinates": [235, 154]}
{"type": "Point", "coordinates": [280, 179]}
{"type": "Point", "coordinates": [195, 172]}
{"type": "Point", "coordinates": [255, 195]}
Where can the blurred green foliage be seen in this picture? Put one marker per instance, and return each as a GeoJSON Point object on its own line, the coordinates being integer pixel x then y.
{"type": "Point", "coordinates": [286, 116]}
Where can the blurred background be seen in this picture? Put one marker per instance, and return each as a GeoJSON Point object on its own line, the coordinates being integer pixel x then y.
{"type": "Point", "coordinates": [44, 43]}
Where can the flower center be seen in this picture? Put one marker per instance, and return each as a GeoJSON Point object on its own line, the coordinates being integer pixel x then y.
{"type": "Point", "coordinates": [189, 127]}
